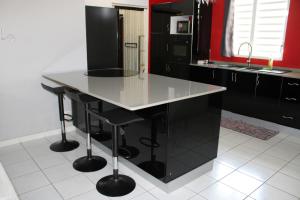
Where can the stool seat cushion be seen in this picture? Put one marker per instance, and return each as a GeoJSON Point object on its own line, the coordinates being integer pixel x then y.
{"type": "Point", "coordinates": [54, 90]}
{"type": "Point", "coordinates": [117, 117]}
{"type": "Point", "coordinates": [80, 97]}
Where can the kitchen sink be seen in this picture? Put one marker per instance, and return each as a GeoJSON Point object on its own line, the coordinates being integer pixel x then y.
{"type": "Point", "coordinates": [231, 66]}
{"type": "Point", "coordinates": [274, 71]}
{"type": "Point", "coordinates": [252, 68]}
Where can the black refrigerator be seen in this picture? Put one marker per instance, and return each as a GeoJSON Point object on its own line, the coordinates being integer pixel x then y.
{"type": "Point", "coordinates": [102, 30]}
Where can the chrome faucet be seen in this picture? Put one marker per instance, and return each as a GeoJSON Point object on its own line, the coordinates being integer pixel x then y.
{"type": "Point", "coordinates": [250, 52]}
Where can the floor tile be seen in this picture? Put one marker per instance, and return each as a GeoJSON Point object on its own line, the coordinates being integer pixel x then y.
{"type": "Point", "coordinates": [266, 192]}
{"type": "Point", "coordinates": [30, 182]}
{"type": "Point", "coordinates": [136, 192]}
{"type": "Point", "coordinates": [14, 157]}
{"type": "Point", "coordinates": [180, 194]}
{"type": "Point", "coordinates": [258, 144]}
{"type": "Point", "coordinates": [257, 171]}
{"type": "Point", "coordinates": [245, 151]}
{"type": "Point", "coordinates": [200, 183]}
{"type": "Point", "coordinates": [296, 161]}
{"type": "Point", "coordinates": [46, 161]}
{"type": "Point", "coordinates": [145, 196]}
{"type": "Point", "coordinates": [220, 191]}
{"type": "Point", "coordinates": [91, 195]}
{"type": "Point", "coordinates": [45, 193]}
{"type": "Point", "coordinates": [10, 149]}
{"type": "Point", "coordinates": [283, 151]}
{"type": "Point", "coordinates": [197, 197]}
{"type": "Point", "coordinates": [76, 153]}
{"type": "Point", "coordinates": [231, 159]}
{"type": "Point", "coordinates": [285, 183]}
{"type": "Point", "coordinates": [241, 182]}
{"type": "Point", "coordinates": [291, 170]}
{"type": "Point", "coordinates": [269, 161]}
{"type": "Point", "coordinates": [74, 186]}
{"type": "Point", "coordinates": [21, 168]}
{"type": "Point", "coordinates": [60, 172]}
{"type": "Point", "coordinates": [219, 171]}
{"type": "Point", "coordinates": [97, 175]}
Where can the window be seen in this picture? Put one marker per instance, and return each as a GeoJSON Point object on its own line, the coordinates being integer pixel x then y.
{"type": "Point", "coordinates": [262, 23]}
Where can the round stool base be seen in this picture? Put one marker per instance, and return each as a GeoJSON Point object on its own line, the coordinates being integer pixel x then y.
{"type": "Point", "coordinates": [111, 187]}
{"type": "Point", "coordinates": [64, 146]}
{"type": "Point", "coordinates": [86, 164]}
{"type": "Point", "coordinates": [128, 152]}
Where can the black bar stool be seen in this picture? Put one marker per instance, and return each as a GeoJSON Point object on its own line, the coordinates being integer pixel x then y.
{"type": "Point", "coordinates": [90, 162]}
{"type": "Point", "coordinates": [63, 145]}
{"type": "Point", "coordinates": [116, 184]}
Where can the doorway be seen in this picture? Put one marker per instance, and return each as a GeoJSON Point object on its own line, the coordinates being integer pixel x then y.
{"type": "Point", "coordinates": [132, 38]}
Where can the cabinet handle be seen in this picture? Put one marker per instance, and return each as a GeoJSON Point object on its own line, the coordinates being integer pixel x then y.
{"type": "Point", "coordinates": [213, 74]}
{"type": "Point", "coordinates": [235, 77]}
{"type": "Point", "coordinates": [293, 84]}
{"type": "Point", "coordinates": [287, 117]}
{"type": "Point", "coordinates": [290, 99]}
{"type": "Point", "coordinates": [167, 47]}
{"type": "Point", "coordinates": [257, 80]}
{"type": "Point", "coordinates": [232, 76]}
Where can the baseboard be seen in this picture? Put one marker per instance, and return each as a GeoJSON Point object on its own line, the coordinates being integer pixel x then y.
{"type": "Point", "coordinates": [34, 136]}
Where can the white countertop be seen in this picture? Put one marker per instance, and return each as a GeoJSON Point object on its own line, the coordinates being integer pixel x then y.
{"type": "Point", "coordinates": [135, 92]}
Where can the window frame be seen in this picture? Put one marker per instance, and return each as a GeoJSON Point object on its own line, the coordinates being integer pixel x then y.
{"type": "Point", "coordinates": [255, 3]}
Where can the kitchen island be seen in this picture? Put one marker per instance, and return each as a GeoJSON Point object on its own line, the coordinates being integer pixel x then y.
{"type": "Point", "coordinates": [178, 139]}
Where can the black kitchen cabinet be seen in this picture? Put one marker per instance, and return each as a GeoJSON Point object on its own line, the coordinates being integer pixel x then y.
{"type": "Point", "coordinates": [289, 112]}
{"type": "Point", "coordinates": [240, 92]}
{"type": "Point", "coordinates": [208, 75]}
{"type": "Point", "coordinates": [268, 89]}
{"type": "Point", "coordinates": [160, 28]}
{"type": "Point", "coordinates": [180, 71]}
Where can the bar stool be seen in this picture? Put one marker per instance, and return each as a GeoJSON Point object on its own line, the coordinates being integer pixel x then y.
{"type": "Point", "coordinates": [116, 184]}
{"type": "Point", "coordinates": [89, 163]}
{"type": "Point", "coordinates": [63, 145]}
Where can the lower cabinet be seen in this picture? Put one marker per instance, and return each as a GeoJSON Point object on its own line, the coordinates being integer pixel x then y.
{"type": "Point", "coordinates": [289, 112]}
{"type": "Point", "coordinates": [267, 97]}
{"type": "Point", "coordinates": [240, 94]}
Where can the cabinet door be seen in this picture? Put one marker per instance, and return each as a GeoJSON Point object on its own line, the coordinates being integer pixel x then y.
{"type": "Point", "coordinates": [201, 74]}
{"type": "Point", "coordinates": [240, 92]}
{"type": "Point", "coordinates": [268, 90]}
{"type": "Point", "coordinates": [159, 39]}
{"type": "Point", "coordinates": [290, 103]}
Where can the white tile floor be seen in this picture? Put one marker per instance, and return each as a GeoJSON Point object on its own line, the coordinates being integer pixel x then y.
{"type": "Point", "coordinates": [246, 168]}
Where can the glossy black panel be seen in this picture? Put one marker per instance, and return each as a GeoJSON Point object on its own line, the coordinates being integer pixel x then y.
{"type": "Point", "coordinates": [174, 138]}
{"type": "Point", "coordinates": [101, 37]}
{"type": "Point", "coordinates": [114, 72]}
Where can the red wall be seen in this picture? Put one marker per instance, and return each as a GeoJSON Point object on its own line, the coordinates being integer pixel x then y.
{"type": "Point", "coordinates": [291, 56]}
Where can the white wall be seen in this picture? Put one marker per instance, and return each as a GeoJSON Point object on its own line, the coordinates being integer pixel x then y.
{"type": "Point", "coordinates": [38, 36]}
{"type": "Point", "coordinates": [48, 35]}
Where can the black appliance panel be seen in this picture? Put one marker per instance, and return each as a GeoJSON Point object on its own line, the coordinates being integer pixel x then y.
{"type": "Point", "coordinates": [179, 49]}
{"type": "Point", "coordinates": [102, 37]}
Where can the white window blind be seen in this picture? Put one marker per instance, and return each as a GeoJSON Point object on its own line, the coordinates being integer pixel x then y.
{"type": "Point", "coordinates": [262, 23]}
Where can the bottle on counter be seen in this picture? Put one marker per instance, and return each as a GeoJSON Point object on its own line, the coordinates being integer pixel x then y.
{"type": "Point", "coordinates": [270, 63]}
